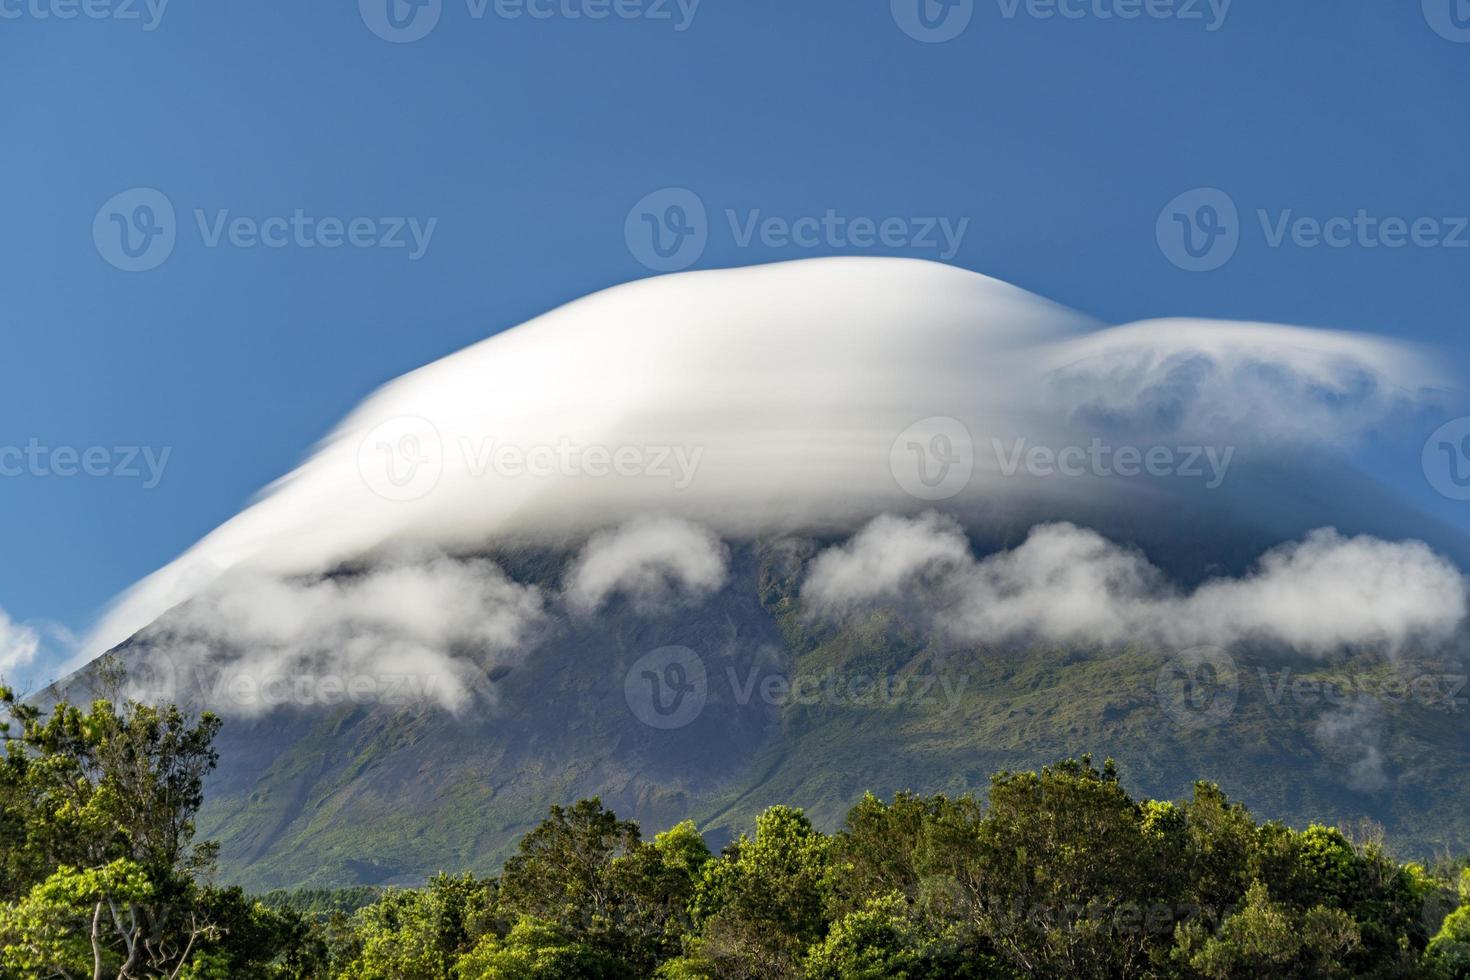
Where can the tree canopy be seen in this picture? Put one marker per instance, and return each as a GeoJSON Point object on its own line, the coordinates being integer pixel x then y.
{"type": "Point", "coordinates": [1058, 872]}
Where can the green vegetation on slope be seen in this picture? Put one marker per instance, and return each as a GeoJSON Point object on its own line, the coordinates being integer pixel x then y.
{"type": "Point", "coordinates": [382, 795]}
{"type": "Point", "coordinates": [1057, 872]}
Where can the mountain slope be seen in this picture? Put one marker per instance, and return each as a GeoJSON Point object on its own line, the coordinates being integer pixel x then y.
{"type": "Point", "coordinates": [380, 793]}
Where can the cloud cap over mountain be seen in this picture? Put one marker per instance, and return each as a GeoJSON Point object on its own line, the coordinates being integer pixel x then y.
{"type": "Point", "coordinates": [795, 396]}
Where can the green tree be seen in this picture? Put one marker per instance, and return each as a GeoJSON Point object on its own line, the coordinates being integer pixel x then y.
{"type": "Point", "coordinates": [97, 815]}
{"type": "Point", "coordinates": [420, 934]}
{"type": "Point", "coordinates": [1264, 938]}
{"type": "Point", "coordinates": [762, 904]}
{"type": "Point", "coordinates": [562, 872]}
{"type": "Point", "coordinates": [536, 950]}
{"type": "Point", "coordinates": [885, 941]}
{"type": "Point", "coordinates": [1068, 884]}
{"type": "Point", "coordinates": [653, 885]}
{"type": "Point", "coordinates": [1449, 950]}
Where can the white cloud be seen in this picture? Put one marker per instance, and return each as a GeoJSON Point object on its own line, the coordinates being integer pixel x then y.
{"type": "Point", "coordinates": [1069, 584]}
{"type": "Point", "coordinates": [885, 559]}
{"type": "Point", "coordinates": [1330, 591]}
{"type": "Point", "coordinates": [421, 632]}
{"type": "Point", "coordinates": [790, 383]}
{"type": "Point", "coordinates": [648, 561]}
{"type": "Point", "coordinates": [1353, 737]}
{"type": "Point", "coordinates": [19, 645]}
{"type": "Point", "coordinates": [1238, 382]}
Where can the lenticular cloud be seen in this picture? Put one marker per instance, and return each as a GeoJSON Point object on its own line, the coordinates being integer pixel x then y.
{"type": "Point", "coordinates": [778, 398]}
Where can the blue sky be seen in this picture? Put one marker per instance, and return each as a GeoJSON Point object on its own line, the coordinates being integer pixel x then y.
{"type": "Point", "coordinates": [517, 146]}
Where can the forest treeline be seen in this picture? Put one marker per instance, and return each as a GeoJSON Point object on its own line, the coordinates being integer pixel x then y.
{"type": "Point", "coordinates": [1054, 873]}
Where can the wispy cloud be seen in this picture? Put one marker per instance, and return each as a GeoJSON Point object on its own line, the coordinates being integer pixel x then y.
{"type": "Point", "coordinates": [1069, 584]}
{"type": "Point", "coordinates": [1352, 737]}
{"type": "Point", "coordinates": [426, 631]}
{"type": "Point", "coordinates": [650, 561]}
{"type": "Point", "coordinates": [19, 645]}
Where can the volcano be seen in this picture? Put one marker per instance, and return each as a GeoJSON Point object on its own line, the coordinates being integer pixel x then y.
{"type": "Point", "coordinates": [710, 541]}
